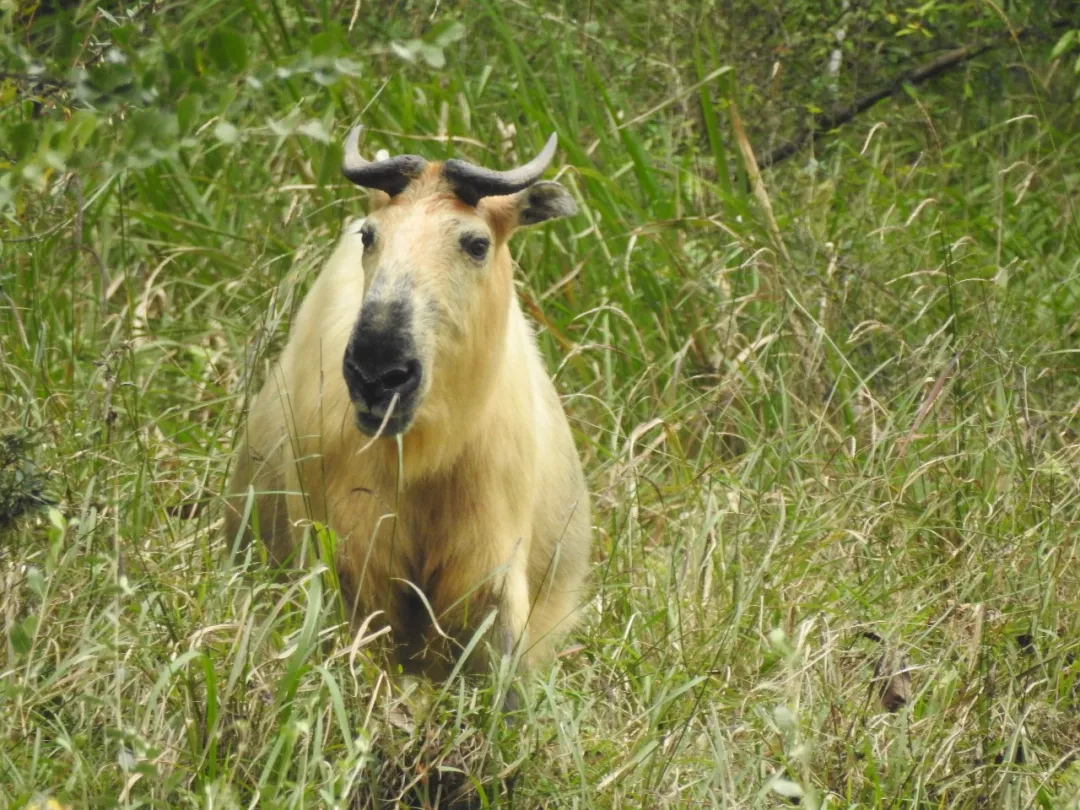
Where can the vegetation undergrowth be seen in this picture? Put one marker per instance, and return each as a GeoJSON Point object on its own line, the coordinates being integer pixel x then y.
{"type": "Point", "coordinates": [828, 415]}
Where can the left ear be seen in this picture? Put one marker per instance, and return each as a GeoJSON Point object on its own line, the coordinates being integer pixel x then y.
{"type": "Point", "coordinates": [538, 203]}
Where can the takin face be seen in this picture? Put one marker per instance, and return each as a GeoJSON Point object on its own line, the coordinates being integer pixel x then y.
{"type": "Point", "coordinates": [438, 282]}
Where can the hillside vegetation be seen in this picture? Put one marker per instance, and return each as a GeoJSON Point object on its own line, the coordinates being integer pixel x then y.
{"type": "Point", "coordinates": [828, 413]}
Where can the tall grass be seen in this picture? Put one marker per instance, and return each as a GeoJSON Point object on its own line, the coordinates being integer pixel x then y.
{"type": "Point", "coordinates": [832, 441]}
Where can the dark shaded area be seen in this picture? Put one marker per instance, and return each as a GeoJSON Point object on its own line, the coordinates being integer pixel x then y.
{"type": "Point", "coordinates": [22, 485]}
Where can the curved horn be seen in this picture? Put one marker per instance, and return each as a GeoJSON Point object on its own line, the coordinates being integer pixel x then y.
{"type": "Point", "coordinates": [471, 183]}
{"type": "Point", "coordinates": [391, 175]}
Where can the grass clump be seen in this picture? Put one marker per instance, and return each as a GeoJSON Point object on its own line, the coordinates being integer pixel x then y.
{"type": "Point", "coordinates": [829, 419]}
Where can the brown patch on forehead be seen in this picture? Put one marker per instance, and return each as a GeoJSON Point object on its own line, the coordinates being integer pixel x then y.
{"type": "Point", "coordinates": [432, 173]}
{"type": "Point", "coordinates": [433, 190]}
{"type": "Point", "coordinates": [429, 182]}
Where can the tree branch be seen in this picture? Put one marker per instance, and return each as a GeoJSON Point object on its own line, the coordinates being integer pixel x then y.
{"type": "Point", "coordinates": [823, 123]}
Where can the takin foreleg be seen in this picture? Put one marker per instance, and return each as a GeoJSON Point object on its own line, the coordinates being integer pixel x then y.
{"type": "Point", "coordinates": [511, 627]}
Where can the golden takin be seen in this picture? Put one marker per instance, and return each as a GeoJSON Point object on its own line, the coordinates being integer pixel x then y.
{"type": "Point", "coordinates": [411, 412]}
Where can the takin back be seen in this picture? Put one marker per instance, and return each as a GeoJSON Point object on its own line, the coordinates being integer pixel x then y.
{"type": "Point", "coordinates": [411, 413]}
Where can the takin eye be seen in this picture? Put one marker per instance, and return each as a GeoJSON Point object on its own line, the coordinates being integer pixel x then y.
{"type": "Point", "coordinates": [475, 246]}
{"type": "Point", "coordinates": [367, 236]}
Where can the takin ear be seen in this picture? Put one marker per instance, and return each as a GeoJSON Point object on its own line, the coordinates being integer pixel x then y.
{"type": "Point", "coordinates": [543, 201]}
{"type": "Point", "coordinates": [538, 203]}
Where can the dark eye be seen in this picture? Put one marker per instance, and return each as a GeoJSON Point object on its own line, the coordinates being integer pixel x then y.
{"type": "Point", "coordinates": [475, 246]}
{"type": "Point", "coordinates": [367, 236]}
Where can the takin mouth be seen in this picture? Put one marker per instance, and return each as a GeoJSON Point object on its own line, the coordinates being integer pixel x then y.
{"type": "Point", "coordinates": [369, 424]}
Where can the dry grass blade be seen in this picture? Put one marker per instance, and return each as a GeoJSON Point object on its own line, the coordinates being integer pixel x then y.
{"type": "Point", "coordinates": [928, 404]}
{"type": "Point", "coordinates": [757, 185]}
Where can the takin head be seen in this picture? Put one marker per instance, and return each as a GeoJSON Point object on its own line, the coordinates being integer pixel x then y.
{"type": "Point", "coordinates": [438, 283]}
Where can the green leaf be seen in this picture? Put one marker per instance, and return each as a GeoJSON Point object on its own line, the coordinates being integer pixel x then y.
{"type": "Point", "coordinates": [712, 130]}
{"type": "Point", "coordinates": [186, 111]}
{"type": "Point", "coordinates": [1063, 43]}
{"type": "Point", "coordinates": [20, 641]}
{"type": "Point", "coordinates": [305, 643]}
{"type": "Point", "coordinates": [21, 138]}
{"type": "Point", "coordinates": [83, 124]}
{"type": "Point", "coordinates": [228, 50]}
{"type": "Point", "coordinates": [22, 635]}
{"type": "Point", "coordinates": [122, 35]}
{"type": "Point", "coordinates": [323, 43]}
{"type": "Point", "coordinates": [57, 520]}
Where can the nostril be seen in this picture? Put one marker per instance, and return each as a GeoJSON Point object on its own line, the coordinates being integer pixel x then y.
{"type": "Point", "coordinates": [400, 378]}
{"type": "Point", "coordinates": [394, 378]}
